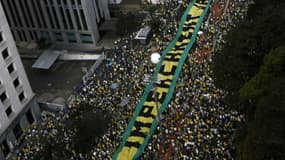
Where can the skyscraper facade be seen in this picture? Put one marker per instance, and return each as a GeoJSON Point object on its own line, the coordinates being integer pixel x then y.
{"type": "Point", "coordinates": [68, 23]}
{"type": "Point", "coordinates": [17, 106]}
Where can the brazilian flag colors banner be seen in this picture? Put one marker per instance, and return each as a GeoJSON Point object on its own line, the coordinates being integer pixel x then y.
{"type": "Point", "coordinates": [143, 122]}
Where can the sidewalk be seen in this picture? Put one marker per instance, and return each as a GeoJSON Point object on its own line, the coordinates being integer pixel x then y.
{"type": "Point", "coordinates": [65, 55]}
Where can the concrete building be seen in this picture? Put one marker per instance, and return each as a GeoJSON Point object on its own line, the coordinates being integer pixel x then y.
{"type": "Point", "coordinates": [115, 1]}
{"type": "Point", "coordinates": [159, 1]}
{"type": "Point", "coordinates": [154, 1]}
{"type": "Point", "coordinates": [65, 23]}
{"type": "Point", "coordinates": [18, 108]}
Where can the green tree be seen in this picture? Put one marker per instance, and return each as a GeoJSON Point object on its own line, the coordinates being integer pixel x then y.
{"type": "Point", "coordinates": [150, 8]}
{"type": "Point", "coordinates": [273, 67]}
{"type": "Point", "coordinates": [155, 25]}
{"type": "Point", "coordinates": [264, 138]}
{"type": "Point", "coordinates": [128, 23]}
{"type": "Point", "coordinates": [247, 45]}
{"type": "Point", "coordinates": [89, 124]}
{"type": "Point", "coordinates": [250, 67]}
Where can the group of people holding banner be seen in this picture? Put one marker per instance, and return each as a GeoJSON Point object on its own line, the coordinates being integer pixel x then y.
{"type": "Point", "coordinates": [126, 67]}
{"type": "Point", "coordinates": [196, 125]}
{"type": "Point", "coordinates": [129, 70]}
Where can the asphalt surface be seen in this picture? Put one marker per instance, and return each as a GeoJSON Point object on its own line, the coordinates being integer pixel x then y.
{"type": "Point", "coordinates": [59, 81]}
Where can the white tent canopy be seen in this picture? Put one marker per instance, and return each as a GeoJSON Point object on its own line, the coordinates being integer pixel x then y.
{"type": "Point", "coordinates": [46, 60]}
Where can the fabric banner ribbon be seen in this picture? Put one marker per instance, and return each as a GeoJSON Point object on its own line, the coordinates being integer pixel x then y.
{"type": "Point", "coordinates": [143, 122]}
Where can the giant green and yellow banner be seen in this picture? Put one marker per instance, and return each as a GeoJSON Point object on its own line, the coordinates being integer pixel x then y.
{"type": "Point", "coordinates": [143, 122]}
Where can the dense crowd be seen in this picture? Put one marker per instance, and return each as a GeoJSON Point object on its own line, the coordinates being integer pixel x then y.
{"type": "Point", "coordinates": [129, 69]}
{"type": "Point", "coordinates": [196, 124]}
{"type": "Point", "coordinates": [46, 132]}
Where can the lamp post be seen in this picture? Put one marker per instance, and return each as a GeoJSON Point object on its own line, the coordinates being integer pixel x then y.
{"type": "Point", "coordinates": [155, 58]}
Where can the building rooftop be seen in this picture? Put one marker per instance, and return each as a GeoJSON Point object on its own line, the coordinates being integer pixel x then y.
{"type": "Point", "coordinates": [46, 60]}
{"type": "Point", "coordinates": [143, 33]}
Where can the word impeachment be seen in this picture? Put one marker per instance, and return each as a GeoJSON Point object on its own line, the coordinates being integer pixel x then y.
{"type": "Point", "coordinates": [140, 131]}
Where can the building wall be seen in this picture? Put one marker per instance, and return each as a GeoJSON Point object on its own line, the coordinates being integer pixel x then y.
{"type": "Point", "coordinates": [16, 95]}
{"type": "Point", "coordinates": [68, 23]}
{"type": "Point", "coordinates": [155, 1]}
{"type": "Point", "coordinates": [115, 1]}
{"type": "Point", "coordinates": [12, 92]}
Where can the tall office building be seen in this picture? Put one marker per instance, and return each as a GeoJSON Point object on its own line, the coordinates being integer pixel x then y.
{"type": "Point", "coordinates": [17, 105]}
{"type": "Point", "coordinates": [66, 23]}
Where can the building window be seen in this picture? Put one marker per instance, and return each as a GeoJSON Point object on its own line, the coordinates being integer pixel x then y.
{"type": "Point", "coordinates": [13, 14]}
{"type": "Point", "coordinates": [30, 117]}
{"type": "Point", "coordinates": [86, 38]}
{"type": "Point", "coordinates": [18, 131]}
{"type": "Point", "coordinates": [17, 14]}
{"type": "Point", "coordinates": [77, 19]}
{"type": "Point", "coordinates": [22, 8]}
{"type": "Point", "coordinates": [50, 17]}
{"type": "Point", "coordinates": [41, 13]}
{"type": "Point", "coordinates": [46, 2]}
{"type": "Point", "coordinates": [5, 53]}
{"type": "Point", "coordinates": [83, 19]}
{"type": "Point", "coordinates": [69, 18]}
{"type": "Point", "coordinates": [5, 148]}
{"type": "Point", "coordinates": [36, 35]}
{"type": "Point", "coordinates": [24, 35]}
{"type": "Point", "coordinates": [55, 17]}
{"type": "Point", "coordinates": [21, 96]}
{"type": "Point", "coordinates": [36, 15]}
{"type": "Point", "coordinates": [31, 35]}
{"type": "Point", "coordinates": [11, 68]}
{"type": "Point", "coordinates": [45, 35]}
{"type": "Point", "coordinates": [71, 37]}
{"type": "Point", "coordinates": [16, 82]}
{"type": "Point", "coordinates": [9, 111]}
{"type": "Point", "coordinates": [58, 36]}
{"type": "Point", "coordinates": [20, 35]}
{"type": "Point", "coordinates": [61, 9]}
{"type": "Point", "coordinates": [3, 97]}
{"type": "Point", "coordinates": [29, 13]}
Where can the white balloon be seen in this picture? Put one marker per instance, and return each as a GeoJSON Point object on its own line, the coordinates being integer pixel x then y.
{"type": "Point", "coordinates": [155, 58]}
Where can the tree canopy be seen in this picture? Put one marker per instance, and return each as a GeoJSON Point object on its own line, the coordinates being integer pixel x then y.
{"type": "Point", "coordinates": [89, 124]}
{"type": "Point", "coordinates": [128, 23]}
{"type": "Point", "coordinates": [273, 67]}
{"type": "Point", "coordinates": [251, 68]}
{"type": "Point", "coordinates": [247, 45]}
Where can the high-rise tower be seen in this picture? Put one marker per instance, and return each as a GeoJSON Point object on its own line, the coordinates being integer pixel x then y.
{"type": "Point", "coordinates": [17, 106]}
{"type": "Point", "coordinates": [65, 23]}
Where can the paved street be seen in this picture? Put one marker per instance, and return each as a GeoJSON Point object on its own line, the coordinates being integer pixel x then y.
{"type": "Point", "coordinates": [59, 80]}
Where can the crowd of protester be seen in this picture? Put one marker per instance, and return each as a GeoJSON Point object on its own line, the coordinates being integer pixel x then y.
{"type": "Point", "coordinates": [47, 132]}
{"type": "Point", "coordinates": [196, 124]}
{"type": "Point", "coordinates": [130, 68]}
{"type": "Point", "coordinates": [119, 77]}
